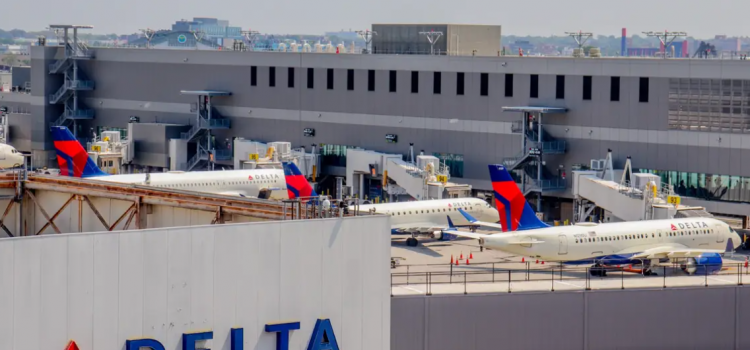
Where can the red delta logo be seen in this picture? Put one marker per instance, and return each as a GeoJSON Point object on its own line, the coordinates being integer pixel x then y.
{"type": "Point", "coordinates": [449, 205]}
{"type": "Point", "coordinates": [674, 228]}
{"type": "Point", "coordinates": [250, 178]}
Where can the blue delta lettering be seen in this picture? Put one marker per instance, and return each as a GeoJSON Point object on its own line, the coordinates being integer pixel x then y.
{"type": "Point", "coordinates": [322, 338]}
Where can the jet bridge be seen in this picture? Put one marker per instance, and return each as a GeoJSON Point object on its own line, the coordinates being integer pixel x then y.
{"type": "Point", "coordinates": [635, 197]}
{"type": "Point", "coordinates": [422, 178]}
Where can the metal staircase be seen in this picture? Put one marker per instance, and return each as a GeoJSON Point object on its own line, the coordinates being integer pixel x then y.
{"type": "Point", "coordinates": [73, 80]}
{"type": "Point", "coordinates": [207, 119]}
{"type": "Point", "coordinates": [527, 168]}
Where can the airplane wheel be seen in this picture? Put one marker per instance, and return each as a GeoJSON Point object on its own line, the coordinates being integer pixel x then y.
{"type": "Point", "coordinates": [412, 242]}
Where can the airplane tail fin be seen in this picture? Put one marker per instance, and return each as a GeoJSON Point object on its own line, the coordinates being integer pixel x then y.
{"type": "Point", "coordinates": [515, 212]}
{"type": "Point", "coordinates": [468, 216]}
{"type": "Point", "coordinates": [72, 158]}
{"type": "Point", "coordinates": [450, 223]}
{"type": "Point", "coordinates": [296, 183]}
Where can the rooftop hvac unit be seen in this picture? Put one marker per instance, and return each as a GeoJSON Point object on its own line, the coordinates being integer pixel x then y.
{"type": "Point", "coordinates": [111, 136]}
{"type": "Point", "coordinates": [640, 180]}
{"type": "Point", "coordinates": [598, 164]}
{"type": "Point", "coordinates": [283, 149]}
{"type": "Point", "coordinates": [100, 146]}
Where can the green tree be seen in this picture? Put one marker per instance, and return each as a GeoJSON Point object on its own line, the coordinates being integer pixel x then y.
{"type": "Point", "coordinates": [10, 59]}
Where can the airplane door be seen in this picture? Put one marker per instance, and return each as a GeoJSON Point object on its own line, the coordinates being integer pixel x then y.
{"type": "Point", "coordinates": [563, 245]}
{"type": "Point", "coordinates": [719, 234]}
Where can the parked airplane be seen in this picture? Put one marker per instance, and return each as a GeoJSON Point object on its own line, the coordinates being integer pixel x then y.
{"type": "Point", "coordinates": [10, 157]}
{"type": "Point", "coordinates": [699, 241]}
{"type": "Point", "coordinates": [420, 217]}
{"type": "Point", "coordinates": [74, 161]}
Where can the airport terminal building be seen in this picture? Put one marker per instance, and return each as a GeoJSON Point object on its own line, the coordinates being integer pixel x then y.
{"type": "Point", "coordinates": [688, 120]}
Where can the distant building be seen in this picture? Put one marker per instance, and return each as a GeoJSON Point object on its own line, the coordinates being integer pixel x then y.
{"type": "Point", "coordinates": [344, 35]}
{"type": "Point", "coordinates": [168, 39]}
{"type": "Point", "coordinates": [213, 29]}
{"type": "Point", "coordinates": [464, 40]}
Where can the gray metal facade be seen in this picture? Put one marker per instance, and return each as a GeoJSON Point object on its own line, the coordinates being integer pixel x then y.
{"type": "Point", "coordinates": [146, 83]}
{"type": "Point", "coordinates": [689, 318]}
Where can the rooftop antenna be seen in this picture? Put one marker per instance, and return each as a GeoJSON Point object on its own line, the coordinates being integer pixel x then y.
{"type": "Point", "coordinates": [250, 37]}
{"type": "Point", "coordinates": [148, 33]}
{"type": "Point", "coordinates": [432, 37]}
{"type": "Point", "coordinates": [666, 38]}
{"type": "Point", "coordinates": [366, 35]}
{"type": "Point", "coordinates": [580, 38]}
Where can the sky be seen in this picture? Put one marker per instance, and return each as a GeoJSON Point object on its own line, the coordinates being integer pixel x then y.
{"type": "Point", "coordinates": [699, 18]}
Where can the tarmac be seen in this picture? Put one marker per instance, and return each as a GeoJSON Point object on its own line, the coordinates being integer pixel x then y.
{"type": "Point", "coordinates": [427, 269]}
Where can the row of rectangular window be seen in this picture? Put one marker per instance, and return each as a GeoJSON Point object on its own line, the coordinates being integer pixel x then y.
{"type": "Point", "coordinates": [614, 92]}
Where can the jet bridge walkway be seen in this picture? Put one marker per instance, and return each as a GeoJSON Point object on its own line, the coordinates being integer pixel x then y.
{"type": "Point", "coordinates": [641, 197]}
{"type": "Point", "coordinates": [426, 178]}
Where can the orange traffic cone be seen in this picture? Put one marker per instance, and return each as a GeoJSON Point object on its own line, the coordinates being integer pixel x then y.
{"type": "Point", "coordinates": [537, 261]}
{"type": "Point", "coordinates": [457, 262]}
{"type": "Point", "coordinates": [745, 262]}
{"type": "Point", "coordinates": [523, 260]}
{"type": "Point", "coordinates": [542, 262]}
{"type": "Point", "coordinates": [462, 256]}
{"type": "Point", "coordinates": [467, 262]}
{"type": "Point", "coordinates": [471, 255]}
{"type": "Point", "coordinates": [72, 346]}
{"type": "Point", "coordinates": [451, 259]}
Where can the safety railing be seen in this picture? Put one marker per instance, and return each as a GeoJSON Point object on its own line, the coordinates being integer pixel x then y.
{"type": "Point", "coordinates": [223, 154]}
{"type": "Point", "coordinates": [533, 276]}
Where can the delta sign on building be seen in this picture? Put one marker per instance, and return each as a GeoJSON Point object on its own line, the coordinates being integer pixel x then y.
{"type": "Point", "coordinates": [313, 284]}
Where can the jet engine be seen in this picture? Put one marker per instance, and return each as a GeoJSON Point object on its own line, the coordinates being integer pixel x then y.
{"type": "Point", "coordinates": [709, 263]}
{"type": "Point", "coordinates": [438, 235]}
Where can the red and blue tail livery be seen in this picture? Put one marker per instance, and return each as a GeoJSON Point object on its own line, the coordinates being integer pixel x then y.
{"type": "Point", "coordinates": [296, 183]}
{"type": "Point", "coordinates": [71, 156]}
{"type": "Point", "coordinates": [515, 212]}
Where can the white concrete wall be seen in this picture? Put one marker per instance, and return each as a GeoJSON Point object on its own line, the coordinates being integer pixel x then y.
{"type": "Point", "coordinates": [100, 289]}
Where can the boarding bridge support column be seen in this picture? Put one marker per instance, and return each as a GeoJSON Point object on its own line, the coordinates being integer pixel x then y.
{"type": "Point", "coordinates": [361, 186]}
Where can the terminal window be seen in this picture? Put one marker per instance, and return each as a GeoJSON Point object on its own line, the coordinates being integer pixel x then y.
{"type": "Point", "coordinates": [370, 80]}
{"type": "Point", "coordinates": [290, 77]}
{"type": "Point", "coordinates": [711, 105]}
{"type": "Point", "coordinates": [350, 79]}
{"type": "Point", "coordinates": [534, 86]}
{"type": "Point", "coordinates": [271, 76]}
{"type": "Point", "coordinates": [460, 84]}
{"type": "Point", "coordinates": [329, 79]}
{"type": "Point", "coordinates": [484, 84]}
{"type": "Point", "coordinates": [614, 89]}
{"type": "Point", "coordinates": [706, 186]}
{"type": "Point", "coordinates": [560, 87]}
{"type": "Point", "coordinates": [643, 90]}
{"type": "Point", "coordinates": [414, 82]}
{"type": "Point", "coordinates": [392, 81]}
{"type": "Point", "coordinates": [253, 76]}
{"type": "Point", "coordinates": [436, 83]}
{"type": "Point", "coordinates": [454, 162]}
{"type": "Point", "coordinates": [310, 78]}
{"type": "Point", "coordinates": [587, 87]}
{"type": "Point", "coordinates": [509, 85]}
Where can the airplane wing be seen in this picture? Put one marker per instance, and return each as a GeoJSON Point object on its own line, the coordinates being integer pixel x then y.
{"type": "Point", "coordinates": [235, 194]}
{"type": "Point", "coordinates": [474, 221]}
{"type": "Point", "coordinates": [673, 251]}
{"type": "Point", "coordinates": [472, 235]}
{"type": "Point", "coordinates": [425, 226]}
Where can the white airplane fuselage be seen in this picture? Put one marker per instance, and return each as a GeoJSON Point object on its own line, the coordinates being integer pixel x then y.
{"type": "Point", "coordinates": [10, 157]}
{"type": "Point", "coordinates": [585, 243]}
{"type": "Point", "coordinates": [418, 215]}
{"type": "Point", "coordinates": [246, 183]}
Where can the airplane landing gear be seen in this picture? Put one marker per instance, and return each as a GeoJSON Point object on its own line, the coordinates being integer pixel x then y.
{"type": "Point", "coordinates": [598, 270]}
